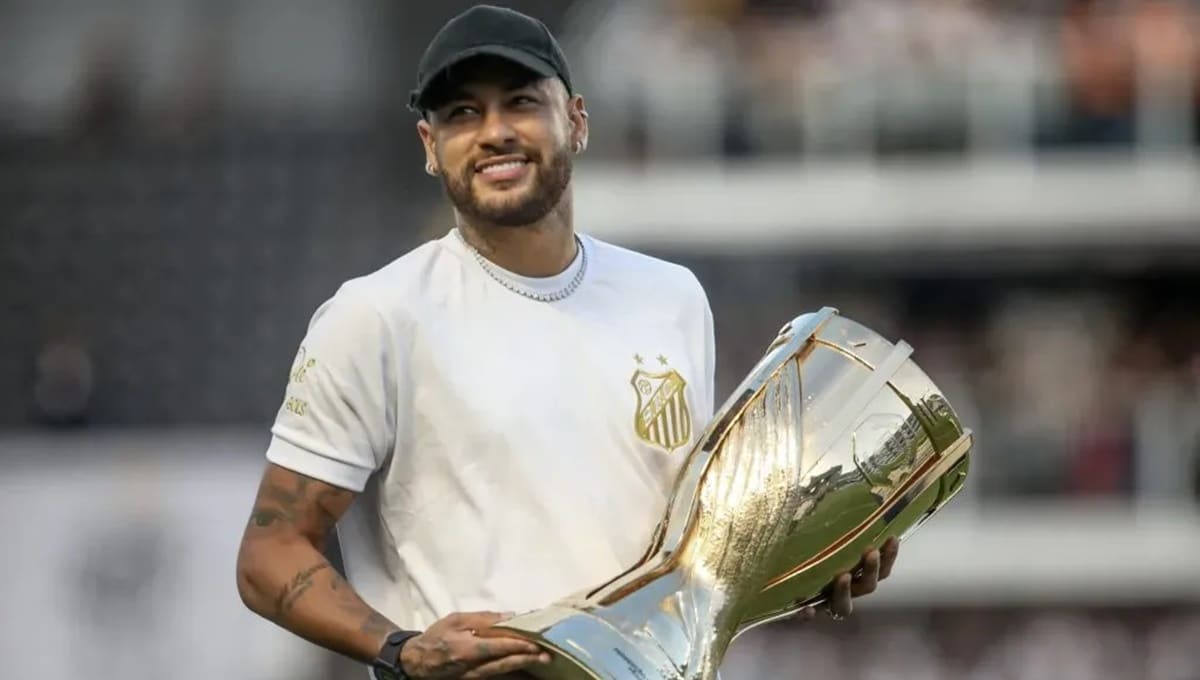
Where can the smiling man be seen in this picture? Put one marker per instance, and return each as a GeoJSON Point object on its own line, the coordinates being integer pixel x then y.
{"type": "Point", "coordinates": [494, 420]}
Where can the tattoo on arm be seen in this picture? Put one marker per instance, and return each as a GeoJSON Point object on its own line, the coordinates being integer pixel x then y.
{"type": "Point", "coordinates": [291, 592]}
{"type": "Point", "coordinates": [283, 496]}
{"type": "Point", "coordinates": [377, 624]}
{"type": "Point", "coordinates": [299, 506]}
{"type": "Point", "coordinates": [324, 500]}
{"type": "Point", "coordinates": [374, 623]}
{"type": "Point", "coordinates": [277, 505]}
{"type": "Point", "coordinates": [265, 517]}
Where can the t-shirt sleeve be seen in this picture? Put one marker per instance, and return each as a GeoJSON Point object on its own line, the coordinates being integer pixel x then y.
{"type": "Point", "coordinates": [704, 334]}
{"type": "Point", "coordinates": [337, 420]}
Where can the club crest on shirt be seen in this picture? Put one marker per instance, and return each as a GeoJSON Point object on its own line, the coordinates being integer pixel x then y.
{"type": "Point", "coordinates": [662, 417]}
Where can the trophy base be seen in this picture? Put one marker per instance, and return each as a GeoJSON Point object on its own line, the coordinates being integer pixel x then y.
{"type": "Point", "coordinates": [583, 646]}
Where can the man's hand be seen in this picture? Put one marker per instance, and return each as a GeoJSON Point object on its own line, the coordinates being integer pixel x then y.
{"type": "Point", "coordinates": [450, 649]}
{"type": "Point", "coordinates": [876, 565]}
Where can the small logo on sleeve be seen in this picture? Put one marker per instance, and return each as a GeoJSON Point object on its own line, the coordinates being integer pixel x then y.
{"type": "Point", "coordinates": [297, 376]}
{"type": "Point", "coordinates": [301, 365]}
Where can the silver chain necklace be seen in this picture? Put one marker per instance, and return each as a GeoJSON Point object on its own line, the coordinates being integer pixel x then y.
{"type": "Point", "coordinates": [562, 294]}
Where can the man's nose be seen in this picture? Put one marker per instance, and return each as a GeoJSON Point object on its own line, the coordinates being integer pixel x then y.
{"type": "Point", "coordinates": [497, 130]}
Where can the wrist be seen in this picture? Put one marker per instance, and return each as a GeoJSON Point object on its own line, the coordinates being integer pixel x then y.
{"type": "Point", "coordinates": [407, 659]}
{"type": "Point", "coordinates": [388, 663]}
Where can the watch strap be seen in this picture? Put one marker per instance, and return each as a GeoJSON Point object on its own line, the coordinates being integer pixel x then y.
{"type": "Point", "coordinates": [386, 665]}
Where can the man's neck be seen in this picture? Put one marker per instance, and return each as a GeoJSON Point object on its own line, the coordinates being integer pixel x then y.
{"type": "Point", "coordinates": [544, 248]}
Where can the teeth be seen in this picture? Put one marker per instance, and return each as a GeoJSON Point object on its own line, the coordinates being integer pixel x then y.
{"type": "Point", "coordinates": [503, 167]}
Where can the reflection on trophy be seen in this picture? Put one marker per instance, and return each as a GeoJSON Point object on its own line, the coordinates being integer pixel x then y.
{"type": "Point", "coordinates": [835, 441]}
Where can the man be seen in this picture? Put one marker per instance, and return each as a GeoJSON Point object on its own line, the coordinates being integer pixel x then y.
{"type": "Point", "coordinates": [494, 420]}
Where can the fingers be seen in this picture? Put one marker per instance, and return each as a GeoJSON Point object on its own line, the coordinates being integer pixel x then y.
{"type": "Point", "coordinates": [465, 644]}
{"type": "Point", "coordinates": [508, 664]}
{"type": "Point", "coordinates": [475, 620]}
{"type": "Point", "coordinates": [888, 554]}
{"type": "Point", "coordinates": [868, 580]}
{"type": "Point", "coordinates": [487, 649]}
{"type": "Point", "coordinates": [840, 602]}
{"type": "Point", "coordinates": [876, 565]}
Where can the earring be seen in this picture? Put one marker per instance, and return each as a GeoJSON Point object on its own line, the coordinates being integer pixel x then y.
{"type": "Point", "coordinates": [578, 146]}
{"type": "Point", "coordinates": [430, 170]}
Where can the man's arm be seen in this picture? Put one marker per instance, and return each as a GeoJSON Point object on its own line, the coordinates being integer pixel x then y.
{"type": "Point", "coordinates": [283, 576]}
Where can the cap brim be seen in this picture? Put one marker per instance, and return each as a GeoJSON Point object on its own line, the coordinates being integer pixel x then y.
{"type": "Point", "coordinates": [417, 98]}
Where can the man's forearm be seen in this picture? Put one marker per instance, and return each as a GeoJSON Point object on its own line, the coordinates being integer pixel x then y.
{"type": "Point", "coordinates": [292, 584]}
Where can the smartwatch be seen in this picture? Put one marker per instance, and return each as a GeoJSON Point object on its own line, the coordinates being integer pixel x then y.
{"type": "Point", "coordinates": [386, 665]}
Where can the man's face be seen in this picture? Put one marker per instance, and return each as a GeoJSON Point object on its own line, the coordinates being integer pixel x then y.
{"type": "Point", "coordinates": [502, 140]}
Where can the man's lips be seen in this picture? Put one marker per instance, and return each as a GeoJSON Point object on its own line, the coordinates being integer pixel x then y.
{"type": "Point", "coordinates": [503, 168]}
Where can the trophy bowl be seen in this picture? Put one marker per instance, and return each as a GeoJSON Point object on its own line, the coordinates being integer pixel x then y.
{"type": "Point", "coordinates": [834, 442]}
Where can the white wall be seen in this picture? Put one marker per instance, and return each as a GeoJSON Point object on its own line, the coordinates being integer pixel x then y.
{"type": "Point", "coordinates": [118, 563]}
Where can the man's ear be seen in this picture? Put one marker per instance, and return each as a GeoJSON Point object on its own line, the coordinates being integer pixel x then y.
{"type": "Point", "coordinates": [578, 115]}
{"type": "Point", "coordinates": [425, 132]}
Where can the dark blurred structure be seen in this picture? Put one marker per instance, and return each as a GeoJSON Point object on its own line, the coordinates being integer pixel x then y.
{"type": "Point", "coordinates": [184, 207]}
{"type": "Point", "coordinates": [188, 267]}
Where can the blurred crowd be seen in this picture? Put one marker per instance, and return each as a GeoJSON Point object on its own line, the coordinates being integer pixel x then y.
{"type": "Point", "coordinates": [994, 644]}
{"type": "Point", "coordinates": [1077, 384]}
{"type": "Point", "coordinates": [781, 78]}
{"type": "Point", "coordinates": [664, 78]}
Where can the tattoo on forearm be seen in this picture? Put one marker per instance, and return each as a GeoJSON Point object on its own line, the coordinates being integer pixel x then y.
{"type": "Point", "coordinates": [377, 624]}
{"type": "Point", "coordinates": [374, 623]}
{"type": "Point", "coordinates": [291, 592]}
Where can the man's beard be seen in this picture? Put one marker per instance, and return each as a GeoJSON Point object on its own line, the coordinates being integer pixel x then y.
{"type": "Point", "coordinates": [549, 184]}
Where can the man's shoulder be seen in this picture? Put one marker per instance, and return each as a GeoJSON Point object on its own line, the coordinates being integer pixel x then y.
{"type": "Point", "coordinates": [642, 269]}
{"type": "Point", "coordinates": [392, 288]}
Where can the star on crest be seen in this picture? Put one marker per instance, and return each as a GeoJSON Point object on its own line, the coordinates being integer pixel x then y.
{"type": "Point", "coordinates": [662, 360]}
{"type": "Point", "coordinates": [638, 359]}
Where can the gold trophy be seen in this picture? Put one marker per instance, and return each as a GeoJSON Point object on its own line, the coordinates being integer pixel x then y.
{"type": "Point", "coordinates": [835, 441]}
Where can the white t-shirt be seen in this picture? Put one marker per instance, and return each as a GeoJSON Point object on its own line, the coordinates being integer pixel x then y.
{"type": "Point", "coordinates": [509, 452]}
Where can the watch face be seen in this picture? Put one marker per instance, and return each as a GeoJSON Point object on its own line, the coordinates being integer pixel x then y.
{"type": "Point", "coordinates": [385, 674]}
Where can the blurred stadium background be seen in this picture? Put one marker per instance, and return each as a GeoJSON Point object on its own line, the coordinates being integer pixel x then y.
{"type": "Point", "coordinates": [1012, 186]}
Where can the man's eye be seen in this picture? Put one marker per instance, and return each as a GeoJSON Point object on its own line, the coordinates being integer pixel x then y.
{"type": "Point", "coordinates": [522, 100]}
{"type": "Point", "coordinates": [460, 111]}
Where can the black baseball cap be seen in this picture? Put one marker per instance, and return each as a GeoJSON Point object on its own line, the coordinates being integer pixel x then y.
{"type": "Point", "coordinates": [485, 30]}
